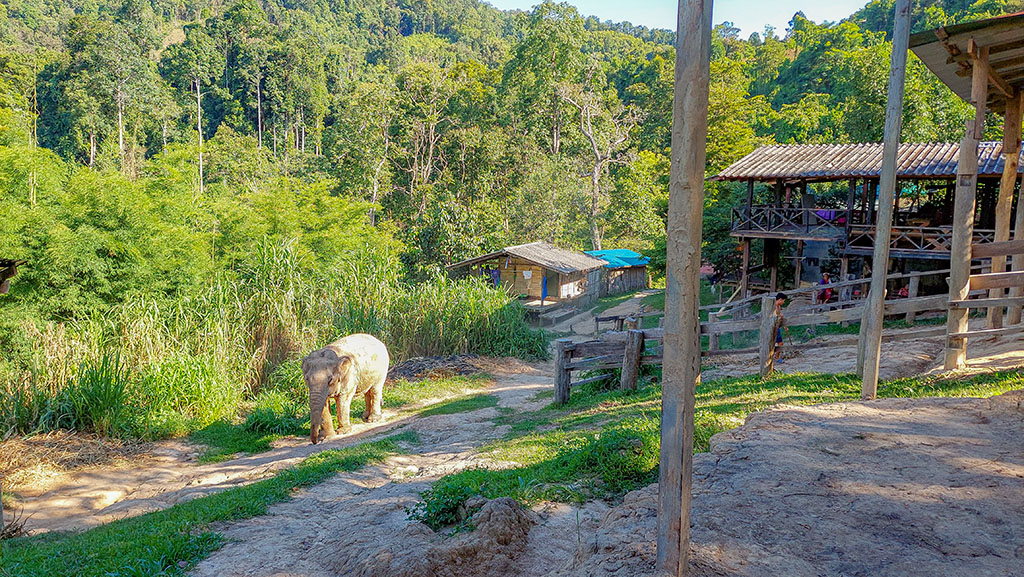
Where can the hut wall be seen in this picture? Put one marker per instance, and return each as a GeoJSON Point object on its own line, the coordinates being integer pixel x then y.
{"type": "Point", "coordinates": [623, 280]}
{"type": "Point", "coordinates": [523, 277]}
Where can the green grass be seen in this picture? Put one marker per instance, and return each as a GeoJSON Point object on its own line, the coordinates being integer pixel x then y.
{"type": "Point", "coordinates": [604, 443]}
{"type": "Point", "coordinates": [463, 405]}
{"type": "Point", "coordinates": [172, 541]}
{"type": "Point", "coordinates": [281, 417]}
{"type": "Point", "coordinates": [605, 303]}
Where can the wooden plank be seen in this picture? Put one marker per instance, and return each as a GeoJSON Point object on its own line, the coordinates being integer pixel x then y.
{"type": "Point", "coordinates": [681, 372]}
{"type": "Point", "coordinates": [892, 307]}
{"type": "Point", "coordinates": [563, 376]}
{"type": "Point", "coordinates": [723, 327]}
{"type": "Point", "coordinates": [987, 302]}
{"type": "Point", "coordinates": [593, 379]}
{"type": "Point", "coordinates": [631, 360]}
{"type": "Point", "coordinates": [587, 362]}
{"type": "Point", "coordinates": [995, 280]}
{"type": "Point", "coordinates": [988, 333]}
{"type": "Point", "coordinates": [994, 249]}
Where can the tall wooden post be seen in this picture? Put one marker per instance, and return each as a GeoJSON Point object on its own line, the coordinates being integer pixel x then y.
{"type": "Point", "coordinates": [874, 312]}
{"type": "Point", "coordinates": [963, 211]}
{"type": "Point", "coordinates": [1011, 155]}
{"type": "Point", "coordinates": [681, 364]}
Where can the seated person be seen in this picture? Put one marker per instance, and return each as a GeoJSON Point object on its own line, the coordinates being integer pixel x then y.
{"type": "Point", "coordinates": [825, 295]}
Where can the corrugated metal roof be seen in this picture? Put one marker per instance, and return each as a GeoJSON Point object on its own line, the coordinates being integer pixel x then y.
{"type": "Point", "coordinates": [619, 257]}
{"type": "Point", "coordinates": [945, 52]}
{"type": "Point", "coordinates": [544, 254]}
{"type": "Point", "coordinates": [842, 161]}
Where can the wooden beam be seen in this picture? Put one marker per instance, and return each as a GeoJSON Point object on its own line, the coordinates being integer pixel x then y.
{"type": "Point", "coordinates": [987, 333]}
{"type": "Point", "coordinates": [766, 336]}
{"type": "Point", "coordinates": [681, 367]}
{"type": "Point", "coordinates": [563, 375]}
{"type": "Point", "coordinates": [1007, 184]}
{"type": "Point", "coordinates": [874, 312]}
{"type": "Point", "coordinates": [985, 303]}
{"type": "Point", "coordinates": [994, 249]}
{"type": "Point", "coordinates": [997, 280]}
{"type": "Point", "coordinates": [963, 215]}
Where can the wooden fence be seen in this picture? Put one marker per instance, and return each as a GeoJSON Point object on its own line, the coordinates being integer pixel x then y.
{"type": "Point", "coordinates": [628, 347]}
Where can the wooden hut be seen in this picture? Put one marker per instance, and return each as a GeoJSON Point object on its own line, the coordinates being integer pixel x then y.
{"type": "Point", "coordinates": [625, 272]}
{"type": "Point", "coordinates": [541, 273]}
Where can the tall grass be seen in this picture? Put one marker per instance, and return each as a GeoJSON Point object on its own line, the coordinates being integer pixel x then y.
{"type": "Point", "coordinates": [174, 365]}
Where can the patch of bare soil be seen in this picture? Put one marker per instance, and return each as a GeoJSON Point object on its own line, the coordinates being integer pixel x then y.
{"type": "Point", "coordinates": [897, 487]}
{"type": "Point", "coordinates": [421, 368]}
{"type": "Point", "coordinates": [903, 358]}
{"type": "Point", "coordinates": [30, 465]}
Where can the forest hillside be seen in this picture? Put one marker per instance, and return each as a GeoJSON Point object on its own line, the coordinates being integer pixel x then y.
{"type": "Point", "coordinates": [201, 190]}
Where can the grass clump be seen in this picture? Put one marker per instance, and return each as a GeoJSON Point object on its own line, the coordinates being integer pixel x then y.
{"type": "Point", "coordinates": [172, 541]}
{"type": "Point", "coordinates": [462, 405]}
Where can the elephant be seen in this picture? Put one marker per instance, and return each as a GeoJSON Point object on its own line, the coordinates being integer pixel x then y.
{"type": "Point", "coordinates": [350, 365]}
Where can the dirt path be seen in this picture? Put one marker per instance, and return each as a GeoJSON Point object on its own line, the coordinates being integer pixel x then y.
{"type": "Point", "coordinates": [582, 325]}
{"type": "Point", "coordinates": [357, 524]}
{"type": "Point", "coordinates": [169, 473]}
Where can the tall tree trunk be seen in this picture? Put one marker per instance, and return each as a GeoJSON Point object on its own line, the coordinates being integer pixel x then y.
{"type": "Point", "coordinates": [92, 148]}
{"type": "Point", "coordinates": [259, 117]}
{"type": "Point", "coordinates": [595, 206]}
{"type": "Point", "coordinates": [120, 130]}
{"type": "Point", "coordinates": [199, 128]}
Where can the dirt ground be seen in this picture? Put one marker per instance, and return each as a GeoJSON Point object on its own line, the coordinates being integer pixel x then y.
{"type": "Point", "coordinates": [895, 487]}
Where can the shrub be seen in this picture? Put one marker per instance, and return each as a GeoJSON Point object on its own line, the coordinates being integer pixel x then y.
{"type": "Point", "coordinates": [97, 399]}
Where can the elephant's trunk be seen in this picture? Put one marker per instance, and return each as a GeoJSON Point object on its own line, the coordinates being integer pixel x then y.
{"type": "Point", "coordinates": [317, 399]}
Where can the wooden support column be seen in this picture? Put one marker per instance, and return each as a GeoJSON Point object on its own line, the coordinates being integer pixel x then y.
{"type": "Point", "coordinates": [963, 212]}
{"type": "Point", "coordinates": [681, 364]}
{"type": "Point", "coordinates": [772, 247]}
{"type": "Point", "coordinates": [750, 196]}
{"type": "Point", "coordinates": [798, 264]}
{"type": "Point", "coordinates": [874, 312]}
{"type": "Point", "coordinates": [745, 269]}
{"type": "Point", "coordinates": [1011, 155]}
{"type": "Point", "coordinates": [1013, 314]}
{"type": "Point", "coordinates": [714, 339]}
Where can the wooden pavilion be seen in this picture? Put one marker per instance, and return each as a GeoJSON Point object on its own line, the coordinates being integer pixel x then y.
{"type": "Point", "coordinates": [983, 63]}
{"type": "Point", "coordinates": [789, 208]}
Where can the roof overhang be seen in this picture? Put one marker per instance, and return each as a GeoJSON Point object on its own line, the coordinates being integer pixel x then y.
{"type": "Point", "coordinates": [947, 52]}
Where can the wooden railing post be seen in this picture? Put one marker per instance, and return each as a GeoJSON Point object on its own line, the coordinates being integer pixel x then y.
{"type": "Point", "coordinates": [563, 375]}
{"type": "Point", "coordinates": [631, 359]}
{"type": "Point", "coordinates": [630, 323]}
{"type": "Point", "coordinates": [713, 343]}
{"type": "Point", "coordinates": [915, 285]}
{"type": "Point", "coordinates": [766, 342]}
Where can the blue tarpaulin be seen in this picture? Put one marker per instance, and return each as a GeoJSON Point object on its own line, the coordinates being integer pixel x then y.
{"type": "Point", "coordinates": [620, 257]}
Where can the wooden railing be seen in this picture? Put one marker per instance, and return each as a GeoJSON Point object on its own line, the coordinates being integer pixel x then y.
{"type": "Point", "coordinates": [912, 238]}
{"type": "Point", "coordinates": [630, 349]}
{"type": "Point", "coordinates": [813, 222]}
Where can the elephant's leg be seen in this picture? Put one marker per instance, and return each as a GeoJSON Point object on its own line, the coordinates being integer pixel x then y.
{"type": "Point", "coordinates": [345, 411]}
{"type": "Point", "coordinates": [373, 399]}
{"type": "Point", "coordinates": [368, 398]}
{"type": "Point", "coordinates": [327, 421]}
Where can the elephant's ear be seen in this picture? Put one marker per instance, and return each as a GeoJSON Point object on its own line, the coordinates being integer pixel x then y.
{"type": "Point", "coordinates": [343, 367]}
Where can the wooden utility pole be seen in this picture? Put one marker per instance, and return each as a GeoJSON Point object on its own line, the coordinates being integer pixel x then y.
{"type": "Point", "coordinates": [1011, 156]}
{"type": "Point", "coordinates": [874, 312]}
{"type": "Point", "coordinates": [963, 210]}
{"type": "Point", "coordinates": [681, 364]}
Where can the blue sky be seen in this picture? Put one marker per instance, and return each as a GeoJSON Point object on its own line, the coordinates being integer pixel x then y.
{"type": "Point", "coordinates": [748, 15]}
